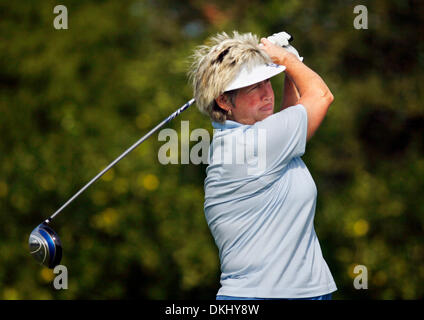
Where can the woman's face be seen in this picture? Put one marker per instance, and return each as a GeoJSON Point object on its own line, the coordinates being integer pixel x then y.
{"type": "Point", "coordinates": [253, 103]}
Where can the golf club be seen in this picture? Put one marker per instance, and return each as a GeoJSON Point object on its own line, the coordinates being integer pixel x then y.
{"type": "Point", "coordinates": [44, 243]}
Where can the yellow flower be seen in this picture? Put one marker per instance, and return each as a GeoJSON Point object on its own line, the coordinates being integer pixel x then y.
{"type": "Point", "coordinates": [47, 275]}
{"type": "Point", "coordinates": [106, 220]}
{"type": "Point", "coordinates": [149, 182]}
{"type": "Point", "coordinates": [360, 227]}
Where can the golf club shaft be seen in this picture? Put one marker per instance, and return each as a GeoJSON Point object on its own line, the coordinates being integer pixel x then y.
{"type": "Point", "coordinates": [135, 145]}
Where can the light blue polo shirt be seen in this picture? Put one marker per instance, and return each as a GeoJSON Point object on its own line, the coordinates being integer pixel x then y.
{"type": "Point", "coordinates": [260, 205]}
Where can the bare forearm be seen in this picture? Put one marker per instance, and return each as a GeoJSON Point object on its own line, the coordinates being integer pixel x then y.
{"type": "Point", "coordinates": [290, 93]}
{"type": "Point", "coordinates": [305, 79]}
{"type": "Point", "coordinates": [315, 96]}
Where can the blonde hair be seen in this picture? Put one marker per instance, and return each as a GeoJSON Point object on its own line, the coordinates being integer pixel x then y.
{"type": "Point", "coordinates": [215, 64]}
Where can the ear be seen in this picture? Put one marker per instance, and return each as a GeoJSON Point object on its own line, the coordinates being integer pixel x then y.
{"type": "Point", "coordinates": [223, 103]}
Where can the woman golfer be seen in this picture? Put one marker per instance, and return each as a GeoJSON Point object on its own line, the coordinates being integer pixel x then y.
{"type": "Point", "coordinates": [259, 195]}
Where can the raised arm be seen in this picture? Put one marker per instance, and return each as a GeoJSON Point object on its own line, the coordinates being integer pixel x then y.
{"type": "Point", "coordinates": [291, 95]}
{"type": "Point", "coordinates": [315, 96]}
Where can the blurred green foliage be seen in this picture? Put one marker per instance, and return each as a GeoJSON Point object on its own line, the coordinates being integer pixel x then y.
{"type": "Point", "coordinates": [73, 100]}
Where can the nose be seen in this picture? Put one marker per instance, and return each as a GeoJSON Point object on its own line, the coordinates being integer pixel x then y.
{"type": "Point", "coordinates": [268, 92]}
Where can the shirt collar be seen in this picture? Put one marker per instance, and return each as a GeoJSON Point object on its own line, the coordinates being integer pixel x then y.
{"type": "Point", "coordinates": [228, 124]}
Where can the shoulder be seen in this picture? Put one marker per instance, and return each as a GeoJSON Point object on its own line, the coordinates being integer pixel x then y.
{"type": "Point", "coordinates": [285, 118]}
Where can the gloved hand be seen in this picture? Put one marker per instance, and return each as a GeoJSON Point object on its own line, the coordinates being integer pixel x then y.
{"type": "Point", "coordinates": [282, 39]}
{"type": "Point", "coordinates": [291, 49]}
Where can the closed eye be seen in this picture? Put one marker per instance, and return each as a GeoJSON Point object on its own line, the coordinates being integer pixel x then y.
{"type": "Point", "coordinates": [259, 84]}
{"type": "Point", "coordinates": [255, 86]}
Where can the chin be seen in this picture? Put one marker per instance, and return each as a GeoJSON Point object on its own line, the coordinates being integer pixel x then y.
{"type": "Point", "coordinates": [269, 113]}
{"type": "Point", "coordinates": [263, 117]}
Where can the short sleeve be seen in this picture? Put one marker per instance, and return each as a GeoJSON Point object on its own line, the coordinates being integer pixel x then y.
{"type": "Point", "coordinates": [285, 136]}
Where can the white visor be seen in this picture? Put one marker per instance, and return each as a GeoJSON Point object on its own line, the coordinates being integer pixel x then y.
{"type": "Point", "coordinates": [256, 74]}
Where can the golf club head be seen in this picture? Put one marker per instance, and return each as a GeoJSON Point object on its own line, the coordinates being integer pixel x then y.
{"type": "Point", "coordinates": [45, 246]}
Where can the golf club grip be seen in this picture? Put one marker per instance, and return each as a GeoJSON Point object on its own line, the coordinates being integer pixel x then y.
{"type": "Point", "coordinates": [135, 145]}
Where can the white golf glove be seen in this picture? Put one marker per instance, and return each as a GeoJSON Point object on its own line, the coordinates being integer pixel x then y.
{"type": "Point", "coordinates": [282, 39]}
